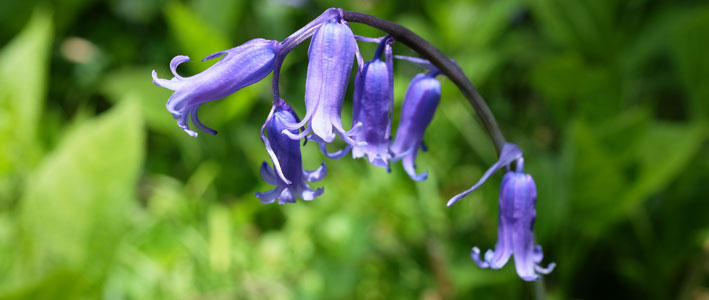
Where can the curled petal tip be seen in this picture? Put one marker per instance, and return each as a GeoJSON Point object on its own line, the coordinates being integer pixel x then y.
{"type": "Point", "coordinates": [168, 84]}
{"type": "Point", "coordinates": [156, 80]}
{"type": "Point", "coordinates": [317, 174]}
{"type": "Point", "coordinates": [546, 270]}
{"type": "Point", "coordinates": [457, 197]}
{"type": "Point", "coordinates": [420, 177]}
{"type": "Point", "coordinates": [176, 61]}
{"type": "Point", "coordinates": [309, 194]}
{"type": "Point", "coordinates": [295, 136]}
{"type": "Point", "coordinates": [475, 255]}
{"type": "Point", "coordinates": [323, 149]}
{"type": "Point", "coordinates": [191, 133]}
{"type": "Point", "coordinates": [267, 197]}
{"type": "Point", "coordinates": [355, 129]}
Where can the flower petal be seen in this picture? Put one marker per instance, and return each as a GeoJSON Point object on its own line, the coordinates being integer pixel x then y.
{"type": "Point", "coordinates": [176, 61]}
{"type": "Point", "coordinates": [409, 166]}
{"type": "Point", "coordinates": [286, 196]}
{"type": "Point", "coordinates": [172, 84]}
{"type": "Point", "coordinates": [309, 194]}
{"type": "Point", "coordinates": [268, 197]}
{"type": "Point", "coordinates": [315, 175]}
{"type": "Point", "coordinates": [214, 55]}
{"type": "Point", "coordinates": [198, 123]}
{"type": "Point", "coordinates": [267, 174]}
{"type": "Point", "coordinates": [269, 149]}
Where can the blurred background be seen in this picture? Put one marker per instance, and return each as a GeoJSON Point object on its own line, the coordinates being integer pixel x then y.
{"type": "Point", "coordinates": [103, 196]}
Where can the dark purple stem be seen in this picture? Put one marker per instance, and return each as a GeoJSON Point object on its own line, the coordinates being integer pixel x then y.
{"type": "Point", "coordinates": [444, 63]}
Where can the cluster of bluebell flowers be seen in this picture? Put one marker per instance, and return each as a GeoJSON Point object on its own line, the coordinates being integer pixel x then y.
{"type": "Point", "coordinates": [332, 53]}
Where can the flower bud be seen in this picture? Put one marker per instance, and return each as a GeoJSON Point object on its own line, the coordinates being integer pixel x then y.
{"type": "Point", "coordinates": [420, 103]}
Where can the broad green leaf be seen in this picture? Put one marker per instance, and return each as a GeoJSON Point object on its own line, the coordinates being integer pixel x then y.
{"type": "Point", "coordinates": [77, 206]}
{"type": "Point", "coordinates": [23, 72]}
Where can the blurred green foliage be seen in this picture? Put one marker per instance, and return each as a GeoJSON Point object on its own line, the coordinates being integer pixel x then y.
{"type": "Point", "coordinates": [103, 196]}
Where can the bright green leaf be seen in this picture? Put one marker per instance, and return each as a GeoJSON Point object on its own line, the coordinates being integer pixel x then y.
{"type": "Point", "coordinates": [23, 72]}
{"type": "Point", "coordinates": [78, 204]}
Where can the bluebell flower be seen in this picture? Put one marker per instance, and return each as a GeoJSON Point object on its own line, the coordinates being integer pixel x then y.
{"type": "Point", "coordinates": [372, 107]}
{"type": "Point", "coordinates": [517, 213]}
{"type": "Point", "coordinates": [331, 55]}
{"type": "Point", "coordinates": [239, 67]}
{"type": "Point", "coordinates": [290, 179]}
{"type": "Point", "coordinates": [420, 103]}
{"type": "Point", "coordinates": [515, 235]}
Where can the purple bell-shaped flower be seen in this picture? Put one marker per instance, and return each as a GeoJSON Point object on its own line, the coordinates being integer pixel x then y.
{"type": "Point", "coordinates": [372, 107]}
{"type": "Point", "coordinates": [239, 67]}
{"type": "Point", "coordinates": [288, 160]}
{"type": "Point", "coordinates": [330, 55]}
{"type": "Point", "coordinates": [420, 103]}
{"type": "Point", "coordinates": [517, 213]}
{"type": "Point", "coordinates": [515, 235]}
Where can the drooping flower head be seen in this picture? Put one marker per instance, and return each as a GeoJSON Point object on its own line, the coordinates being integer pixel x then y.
{"type": "Point", "coordinates": [515, 235]}
{"type": "Point", "coordinates": [239, 67]}
{"type": "Point", "coordinates": [372, 107]}
{"type": "Point", "coordinates": [420, 103]}
{"type": "Point", "coordinates": [517, 213]}
{"type": "Point", "coordinates": [288, 160]}
{"type": "Point", "coordinates": [330, 55]}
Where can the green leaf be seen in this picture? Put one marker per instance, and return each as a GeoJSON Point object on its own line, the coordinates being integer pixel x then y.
{"type": "Point", "coordinates": [23, 72]}
{"type": "Point", "coordinates": [77, 206]}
